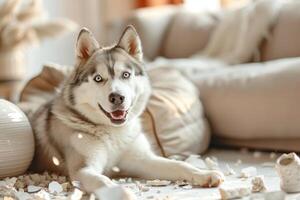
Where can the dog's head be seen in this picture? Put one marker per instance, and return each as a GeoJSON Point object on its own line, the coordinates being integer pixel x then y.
{"type": "Point", "coordinates": [109, 84]}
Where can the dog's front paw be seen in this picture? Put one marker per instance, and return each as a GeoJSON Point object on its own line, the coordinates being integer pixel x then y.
{"type": "Point", "coordinates": [207, 178]}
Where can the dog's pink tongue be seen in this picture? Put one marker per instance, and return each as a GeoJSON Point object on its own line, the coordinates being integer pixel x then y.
{"type": "Point", "coordinates": [119, 114]}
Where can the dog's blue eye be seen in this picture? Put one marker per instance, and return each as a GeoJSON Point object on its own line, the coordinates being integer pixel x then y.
{"type": "Point", "coordinates": [126, 75]}
{"type": "Point", "coordinates": [98, 78]}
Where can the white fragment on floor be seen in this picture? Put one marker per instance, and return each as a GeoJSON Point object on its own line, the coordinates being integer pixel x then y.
{"type": "Point", "coordinates": [273, 155]}
{"type": "Point", "coordinates": [116, 169]}
{"type": "Point", "coordinates": [238, 162]}
{"type": "Point", "coordinates": [42, 194]}
{"type": "Point", "coordinates": [55, 188]}
{"type": "Point", "coordinates": [229, 171]}
{"type": "Point", "coordinates": [76, 194]}
{"type": "Point", "coordinates": [288, 169]}
{"type": "Point", "coordinates": [157, 182]}
{"type": "Point", "coordinates": [181, 183]}
{"type": "Point", "coordinates": [257, 154]}
{"type": "Point", "coordinates": [22, 195]}
{"type": "Point", "coordinates": [248, 172]}
{"type": "Point", "coordinates": [33, 189]}
{"type": "Point", "coordinates": [258, 184]}
{"type": "Point", "coordinates": [234, 192]}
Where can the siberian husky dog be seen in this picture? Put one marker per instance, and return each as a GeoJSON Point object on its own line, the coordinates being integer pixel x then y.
{"type": "Point", "coordinates": [93, 122]}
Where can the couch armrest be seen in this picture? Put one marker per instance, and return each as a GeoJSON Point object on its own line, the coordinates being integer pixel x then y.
{"type": "Point", "coordinates": [151, 25]}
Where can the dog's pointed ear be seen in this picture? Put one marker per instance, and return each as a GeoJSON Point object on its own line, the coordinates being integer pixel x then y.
{"type": "Point", "coordinates": [131, 43]}
{"type": "Point", "coordinates": [86, 44]}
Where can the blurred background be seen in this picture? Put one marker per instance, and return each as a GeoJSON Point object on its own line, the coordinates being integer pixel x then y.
{"type": "Point", "coordinates": [103, 17]}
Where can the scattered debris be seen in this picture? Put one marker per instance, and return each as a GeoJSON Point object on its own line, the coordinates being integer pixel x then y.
{"type": "Point", "coordinates": [181, 183]}
{"type": "Point", "coordinates": [22, 195]}
{"type": "Point", "coordinates": [238, 162]}
{"type": "Point", "coordinates": [258, 184]}
{"type": "Point", "coordinates": [257, 154]}
{"type": "Point", "coordinates": [157, 182]}
{"type": "Point", "coordinates": [229, 171]}
{"type": "Point", "coordinates": [41, 195]}
{"type": "Point", "coordinates": [33, 189]}
{"type": "Point", "coordinates": [234, 192]}
{"type": "Point", "coordinates": [55, 188]}
{"type": "Point", "coordinates": [141, 187]}
{"type": "Point", "coordinates": [122, 180]}
{"type": "Point", "coordinates": [187, 187]}
{"type": "Point", "coordinates": [288, 169]}
{"type": "Point", "coordinates": [129, 180]}
{"type": "Point", "coordinates": [273, 155]}
{"type": "Point", "coordinates": [76, 184]}
{"type": "Point", "coordinates": [66, 186]}
{"type": "Point", "coordinates": [196, 161]}
{"type": "Point", "coordinates": [115, 169]}
{"type": "Point", "coordinates": [76, 194]}
{"type": "Point", "coordinates": [248, 172]}
{"type": "Point", "coordinates": [211, 164]}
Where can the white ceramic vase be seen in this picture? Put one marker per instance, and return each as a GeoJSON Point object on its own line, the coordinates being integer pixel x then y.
{"type": "Point", "coordinates": [16, 140]}
{"type": "Point", "coordinates": [288, 168]}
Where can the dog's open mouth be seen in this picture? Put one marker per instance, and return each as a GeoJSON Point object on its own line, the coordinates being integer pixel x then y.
{"type": "Point", "coordinates": [116, 117]}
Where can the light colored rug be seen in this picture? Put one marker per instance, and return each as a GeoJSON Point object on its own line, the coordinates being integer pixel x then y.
{"type": "Point", "coordinates": [228, 160]}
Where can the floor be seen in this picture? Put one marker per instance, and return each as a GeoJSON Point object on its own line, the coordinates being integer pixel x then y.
{"type": "Point", "coordinates": [237, 160]}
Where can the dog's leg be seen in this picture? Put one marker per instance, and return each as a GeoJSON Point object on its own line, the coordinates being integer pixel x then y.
{"type": "Point", "coordinates": [87, 171]}
{"type": "Point", "coordinates": [142, 162]}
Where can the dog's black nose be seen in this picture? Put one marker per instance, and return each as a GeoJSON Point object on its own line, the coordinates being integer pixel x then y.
{"type": "Point", "coordinates": [116, 98]}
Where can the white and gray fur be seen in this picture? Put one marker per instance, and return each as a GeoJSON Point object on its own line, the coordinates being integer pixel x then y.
{"type": "Point", "coordinates": [76, 135]}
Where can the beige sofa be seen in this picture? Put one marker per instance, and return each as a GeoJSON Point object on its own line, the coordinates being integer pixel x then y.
{"type": "Point", "coordinates": [254, 105]}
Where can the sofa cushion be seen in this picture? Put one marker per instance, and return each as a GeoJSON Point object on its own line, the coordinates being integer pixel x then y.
{"type": "Point", "coordinates": [253, 101]}
{"type": "Point", "coordinates": [188, 33]}
{"type": "Point", "coordinates": [284, 39]}
{"type": "Point", "coordinates": [174, 120]}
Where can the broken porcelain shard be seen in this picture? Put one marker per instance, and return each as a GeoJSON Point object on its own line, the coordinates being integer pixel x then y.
{"type": "Point", "coordinates": [248, 172]}
{"type": "Point", "coordinates": [258, 184]}
{"type": "Point", "coordinates": [288, 169]}
{"type": "Point", "coordinates": [234, 192]}
{"type": "Point", "coordinates": [158, 182]}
